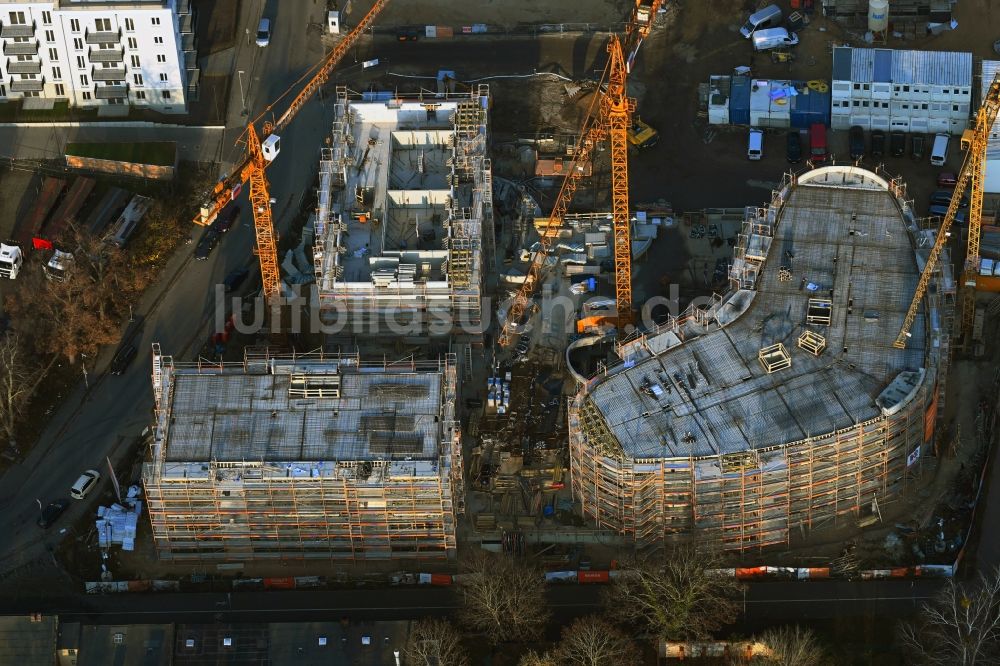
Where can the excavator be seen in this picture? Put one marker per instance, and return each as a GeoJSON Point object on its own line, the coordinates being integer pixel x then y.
{"type": "Point", "coordinates": [609, 118]}
{"type": "Point", "coordinates": [263, 147]}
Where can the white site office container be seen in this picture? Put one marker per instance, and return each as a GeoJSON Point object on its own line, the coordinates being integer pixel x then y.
{"type": "Point", "coordinates": [919, 125]}
{"type": "Point", "coordinates": [880, 123]}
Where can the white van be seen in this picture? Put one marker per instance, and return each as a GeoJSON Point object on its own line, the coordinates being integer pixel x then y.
{"type": "Point", "coordinates": [773, 38]}
{"type": "Point", "coordinates": [939, 153]}
{"type": "Point", "coordinates": [768, 17]}
{"type": "Point", "coordinates": [755, 147]}
{"type": "Point", "coordinates": [85, 484]}
{"type": "Point", "coordinates": [264, 32]}
{"type": "Point", "coordinates": [129, 220]}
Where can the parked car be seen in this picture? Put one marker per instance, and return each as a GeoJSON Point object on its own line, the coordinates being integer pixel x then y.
{"type": "Point", "coordinates": [264, 32]}
{"type": "Point", "coordinates": [793, 151]}
{"type": "Point", "coordinates": [878, 143]}
{"type": "Point", "coordinates": [755, 145]}
{"type": "Point", "coordinates": [857, 141]}
{"type": "Point", "coordinates": [126, 354]}
{"type": "Point", "coordinates": [897, 144]}
{"type": "Point", "coordinates": [947, 179]}
{"type": "Point", "coordinates": [407, 34]}
{"type": "Point", "coordinates": [235, 279]}
{"type": "Point", "coordinates": [227, 219]}
{"type": "Point", "coordinates": [524, 344]}
{"type": "Point", "coordinates": [818, 152]}
{"type": "Point", "coordinates": [943, 198]}
{"type": "Point", "coordinates": [207, 243]}
{"type": "Point", "coordinates": [52, 512]}
{"type": "Point", "coordinates": [937, 210]}
{"type": "Point", "coordinates": [918, 144]}
{"type": "Point", "coordinates": [84, 484]}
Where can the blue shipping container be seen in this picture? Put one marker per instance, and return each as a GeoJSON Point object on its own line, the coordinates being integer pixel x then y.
{"type": "Point", "coordinates": [739, 101]}
{"type": "Point", "coordinates": [376, 96]}
{"type": "Point", "coordinates": [809, 107]}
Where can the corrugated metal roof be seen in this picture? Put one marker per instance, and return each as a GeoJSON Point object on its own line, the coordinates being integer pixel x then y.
{"type": "Point", "coordinates": [990, 70]}
{"type": "Point", "coordinates": [942, 68]}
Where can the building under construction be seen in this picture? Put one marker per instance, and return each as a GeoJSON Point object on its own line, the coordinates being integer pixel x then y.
{"type": "Point", "coordinates": [782, 406]}
{"type": "Point", "coordinates": [312, 456]}
{"type": "Point", "coordinates": [404, 209]}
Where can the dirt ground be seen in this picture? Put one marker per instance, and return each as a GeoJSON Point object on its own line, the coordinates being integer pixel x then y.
{"type": "Point", "coordinates": [506, 13]}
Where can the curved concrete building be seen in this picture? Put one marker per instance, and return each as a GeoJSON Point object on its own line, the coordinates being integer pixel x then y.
{"type": "Point", "coordinates": [781, 407]}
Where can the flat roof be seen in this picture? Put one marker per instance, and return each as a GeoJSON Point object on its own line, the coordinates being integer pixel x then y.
{"type": "Point", "coordinates": [299, 412]}
{"type": "Point", "coordinates": [844, 240]}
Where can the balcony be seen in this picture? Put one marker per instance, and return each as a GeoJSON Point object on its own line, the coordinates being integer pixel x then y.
{"type": "Point", "coordinates": [24, 67]}
{"type": "Point", "coordinates": [188, 43]}
{"type": "Point", "coordinates": [20, 48]}
{"type": "Point", "coordinates": [106, 55]}
{"type": "Point", "coordinates": [183, 7]}
{"type": "Point", "coordinates": [104, 37]}
{"type": "Point", "coordinates": [111, 92]}
{"type": "Point", "coordinates": [27, 85]}
{"type": "Point", "coordinates": [10, 30]}
{"type": "Point", "coordinates": [108, 73]}
{"type": "Point", "coordinates": [186, 24]}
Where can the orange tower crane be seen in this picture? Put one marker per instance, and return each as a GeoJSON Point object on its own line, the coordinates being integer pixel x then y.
{"type": "Point", "coordinates": [974, 141]}
{"type": "Point", "coordinates": [262, 148]}
{"type": "Point", "coordinates": [609, 119]}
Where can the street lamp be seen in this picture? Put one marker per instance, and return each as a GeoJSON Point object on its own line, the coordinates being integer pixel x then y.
{"type": "Point", "coordinates": [83, 364]}
{"type": "Point", "coordinates": [243, 100]}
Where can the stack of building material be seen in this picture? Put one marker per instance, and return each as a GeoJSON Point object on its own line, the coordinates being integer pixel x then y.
{"type": "Point", "coordinates": [116, 524]}
{"type": "Point", "coordinates": [498, 396]}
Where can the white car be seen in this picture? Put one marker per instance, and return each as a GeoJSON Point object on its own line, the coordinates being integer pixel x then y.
{"type": "Point", "coordinates": [85, 484]}
{"type": "Point", "coordinates": [264, 32]}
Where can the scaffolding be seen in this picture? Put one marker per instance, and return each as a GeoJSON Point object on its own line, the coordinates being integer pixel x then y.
{"type": "Point", "coordinates": [781, 406]}
{"type": "Point", "coordinates": [315, 456]}
{"type": "Point", "coordinates": [404, 217]}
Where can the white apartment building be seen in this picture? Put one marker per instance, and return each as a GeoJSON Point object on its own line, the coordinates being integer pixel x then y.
{"type": "Point", "coordinates": [908, 91]}
{"type": "Point", "coordinates": [99, 52]}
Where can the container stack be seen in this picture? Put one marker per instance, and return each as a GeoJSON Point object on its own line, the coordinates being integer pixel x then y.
{"type": "Point", "coordinates": [739, 100]}
{"type": "Point", "coordinates": [718, 100]}
{"type": "Point", "coordinates": [769, 103]}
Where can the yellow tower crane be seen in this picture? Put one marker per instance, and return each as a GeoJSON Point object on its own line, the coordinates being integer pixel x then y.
{"type": "Point", "coordinates": [263, 148]}
{"type": "Point", "coordinates": [974, 141]}
{"type": "Point", "coordinates": [609, 119]}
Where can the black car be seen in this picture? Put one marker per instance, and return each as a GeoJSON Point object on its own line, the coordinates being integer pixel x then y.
{"type": "Point", "coordinates": [857, 141]}
{"type": "Point", "coordinates": [235, 279]}
{"type": "Point", "coordinates": [897, 144]}
{"type": "Point", "coordinates": [793, 148]}
{"type": "Point", "coordinates": [943, 198]}
{"type": "Point", "coordinates": [51, 513]}
{"type": "Point", "coordinates": [523, 344]}
{"type": "Point", "coordinates": [126, 354]}
{"type": "Point", "coordinates": [227, 219]}
{"type": "Point", "coordinates": [878, 143]}
{"type": "Point", "coordinates": [407, 34]}
{"type": "Point", "coordinates": [207, 243]}
{"type": "Point", "coordinates": [917, 144]}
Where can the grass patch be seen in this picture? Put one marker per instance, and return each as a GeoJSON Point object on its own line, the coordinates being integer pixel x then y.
{"type": "Point", "coordinates": [159, 153]}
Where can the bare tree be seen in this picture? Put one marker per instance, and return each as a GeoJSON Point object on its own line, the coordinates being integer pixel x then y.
{"type": "Point", "coordinates": [19, 377]}
{"type": "Point", "coordinates": [502, 597]}
{"type": "Point", "coordinates": [961, 627]}
{"type": "Point", "coordinates": [676, 597]}
{"type": "Point", "coordinates": [591, 641]}
{"type": "Point", "coordinates": [532, 658]}
{"type": "Point", "coordinates": [435, 642]}
{"type": "Point", "coordinates": [785, 646]}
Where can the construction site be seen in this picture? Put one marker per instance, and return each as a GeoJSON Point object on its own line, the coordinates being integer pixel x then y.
{"type": "Point", "coordinates": [783, 406]}
{"type": "Point", "coordinates": [404, 208]}
{"type": "Point", "coordinates": [304, 457]}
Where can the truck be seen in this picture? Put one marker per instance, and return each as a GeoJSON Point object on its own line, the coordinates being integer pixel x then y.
{"type": "Point", "coordinates": [642, 135]}
{"type": "Point", "coordinates": [11, 259]}
{"type": "Point", "coordinates": [643, 12]}
{"type": "Point", "coordinates": [58, 265]}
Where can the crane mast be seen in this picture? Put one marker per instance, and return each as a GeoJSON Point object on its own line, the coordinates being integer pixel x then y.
{"type": "Point", "coordinates": [263, 148]}
{"type": "Point", "coordinates": [610, 120]}
{"type": "Point", "coordinates": [975, 140]}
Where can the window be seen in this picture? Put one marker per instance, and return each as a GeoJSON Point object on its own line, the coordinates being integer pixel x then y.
{"type": "Point", "coordinates": [129, 24]}
{"type": "Point", "coordinates": [161, 58]}
{"type": "Point", "coordinates": [135, 61]}
{"type": "Point", "coordinates": [906, 88]}
{"type": "Point", "coordinates": [17, 18]}
{"type": "Point", "coordinates": [137, 78]}
{"type": "Point", "coordinates": [164, 77]}
{"type": "Point", "coordinates": [60, 90]}
{"type": "Point", "coordinates": [857, 103]}
{"type": "Point", "coordinates": [74, 25]}
{"type": "Point", "coordinates": [81, 62]}
{"type": "Point", "coordinates": [50, 36]}
{"type": "Point", "coordinates": [165, 94]}
{"type": "Point", "coordinates": [102, 25]}
{"type": "Point", "coordinates": [77, 44]}
{"type": "Point", "coordinates": [954, 107]}
{"type": "Point", "coordinates": [156, 20]}
{"type": "Point", "coordinates": [866, 87]}
{"type": "Point", "coordinates": [140, 94]}
{"type": "Point", "coordinates": [47, 18]}
{"type": "Point", "coordinates": [157, 40]}
{"type": "Point", "coordinates": [86, 95]}
{"type": "Point", "coordinates": [924, 106]}
{"type": "Point", "coordinates": [53, 54]}
{"type": "Point", "coordinates": [945, 91]}
{"type": "Point", "coordinates": [33, 93]}
{"type": "Point", "coordinates": [57, 73]}
{"type": "Point", "coordinates": [132, 43]}
{"type": "Point", "coordinates": [857, 86]}
{"type": "Point", "coordinates": [84, 81]}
